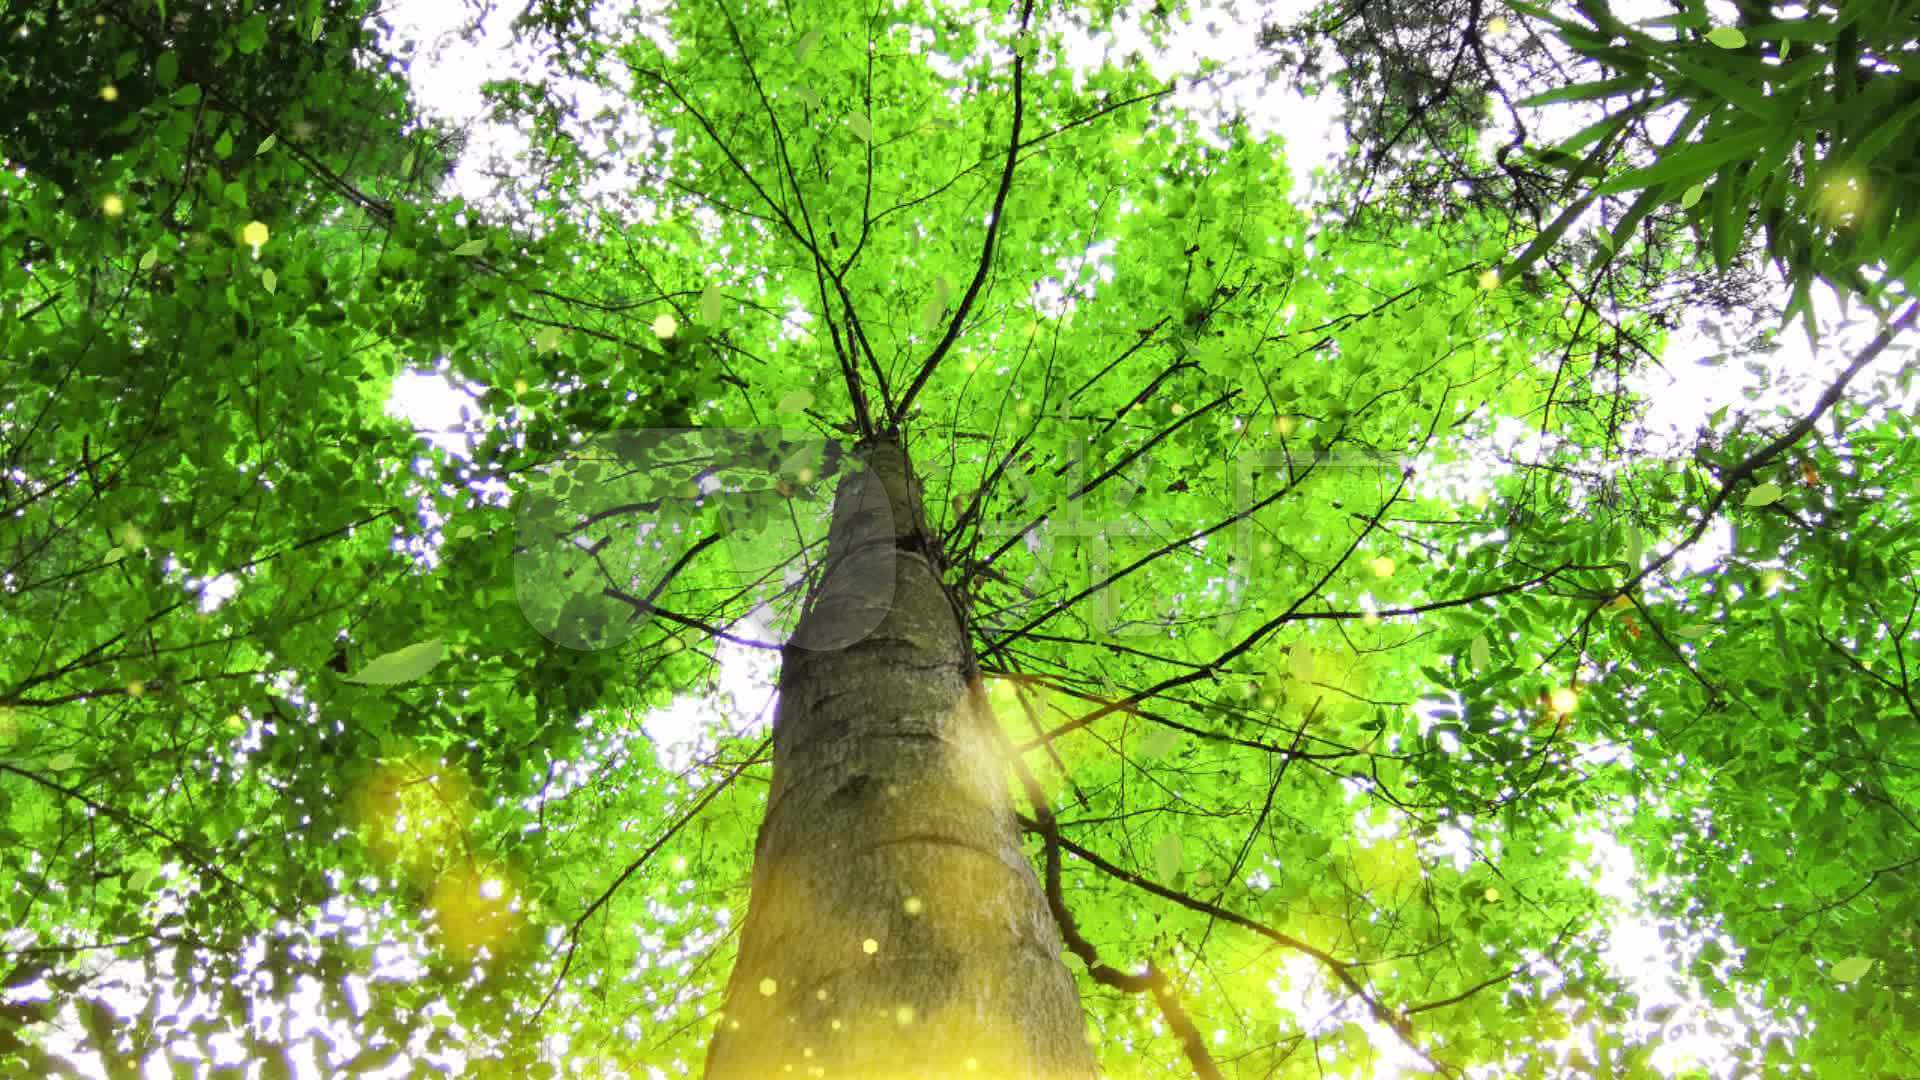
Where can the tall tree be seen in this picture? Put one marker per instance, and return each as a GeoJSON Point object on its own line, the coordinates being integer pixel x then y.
{"type": "Point", "coordinates": [1266, 603]}
{"type": "Point", "coordinates": [889, 827]}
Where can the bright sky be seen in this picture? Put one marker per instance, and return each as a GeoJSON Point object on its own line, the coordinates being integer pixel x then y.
{"type": "Point", "coordinates": [448, 82]}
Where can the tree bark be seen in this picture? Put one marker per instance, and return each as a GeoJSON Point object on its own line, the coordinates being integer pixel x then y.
{"type": "Point", "coordinates": [895, 930]}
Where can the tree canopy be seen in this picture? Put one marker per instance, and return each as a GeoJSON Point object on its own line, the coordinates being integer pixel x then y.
{"type": "Point", "coordinates": [1385, 689]}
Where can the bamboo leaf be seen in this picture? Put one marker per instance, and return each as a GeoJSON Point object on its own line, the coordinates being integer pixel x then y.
{"type": "Point", "coordinates": [1688, 163]}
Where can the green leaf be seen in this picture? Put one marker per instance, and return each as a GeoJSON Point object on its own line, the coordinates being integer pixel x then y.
{"type": "Point", "coordinates": [251, 34]}
{"type": "Point", "coordinates": [1764, 494]}
{"type": "Point", "coordinates": [166, 68]}
{"type": "Point", "coordinates": [804, 47]}
{"type": "Point", "coordinates": [1712, 74]}
{"type": "Point", "coordinates": [1691, 196]}
{"type": "Point", "coordinates": [1603, 129]}
{"type": "Point", "coordinates": [1727, 37]}
{"type": "Point", "coordinates": [401, 665]}
{"type": "Point", "coordinates": [187, 95]}
{"type": "Point", "coordinates": [933, 312]}
{"type": "Point", "coordinates": [1683, 18]}
{"type": "Point", "coordinates": [1169, 857]}
{"type": "Point", "coordinates": [1689, 162]}
{"type": "Point", "coordinates": [1852, 969]}
{"type": "Point", "coordinates": [1729, 221]}
{"type": "Point", "coordinates": [1160, 740]}
{"type": "Point", "coordinates": [1593, 91]}
{"type": "Point", "coordinates": [861, 126]}
{"type": "Point", "coordinates": [1300, 662]}
{"type": "Point", "coordinates": [1818, 30]}
{"type": "Point", "coordinates": [1896, 128]}
{"type": "Point", "coordinates": [711, 304]}
{"type": "Point", "coordinates": [477, 246]}
{"type": "Point", "coordinates": [269, 280]}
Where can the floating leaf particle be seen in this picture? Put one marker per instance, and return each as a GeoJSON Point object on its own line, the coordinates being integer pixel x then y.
{"type": "Point", "coordinates": [1300, 662]}
{"type": "Point", "coordinates": [401, 665]}
{"type": "Point", "coordinates": [1852, 969]}
{"type": "Point", "coordinates": [1168, 856]}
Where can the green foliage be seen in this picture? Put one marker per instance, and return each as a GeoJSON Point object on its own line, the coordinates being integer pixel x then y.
{"type": "Point", "coordinates": [1802, 130]}
{"type": "Point", "coordinates": [1369, 655]}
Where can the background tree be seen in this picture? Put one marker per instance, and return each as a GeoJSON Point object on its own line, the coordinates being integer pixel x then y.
{"type": "Point", "coordinates": [1321, 720]}
{"type": "Point", "coordinates": [1803, 171]}
{"type": "Point", "coordinates": [1797, 121]}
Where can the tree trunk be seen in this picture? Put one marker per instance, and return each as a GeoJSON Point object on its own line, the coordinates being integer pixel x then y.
{"type": "Point", "coordinates": [895, 929]}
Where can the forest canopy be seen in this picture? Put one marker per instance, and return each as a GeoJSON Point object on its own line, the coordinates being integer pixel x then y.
{"type": "Point", "coordinates": [476, 571]}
